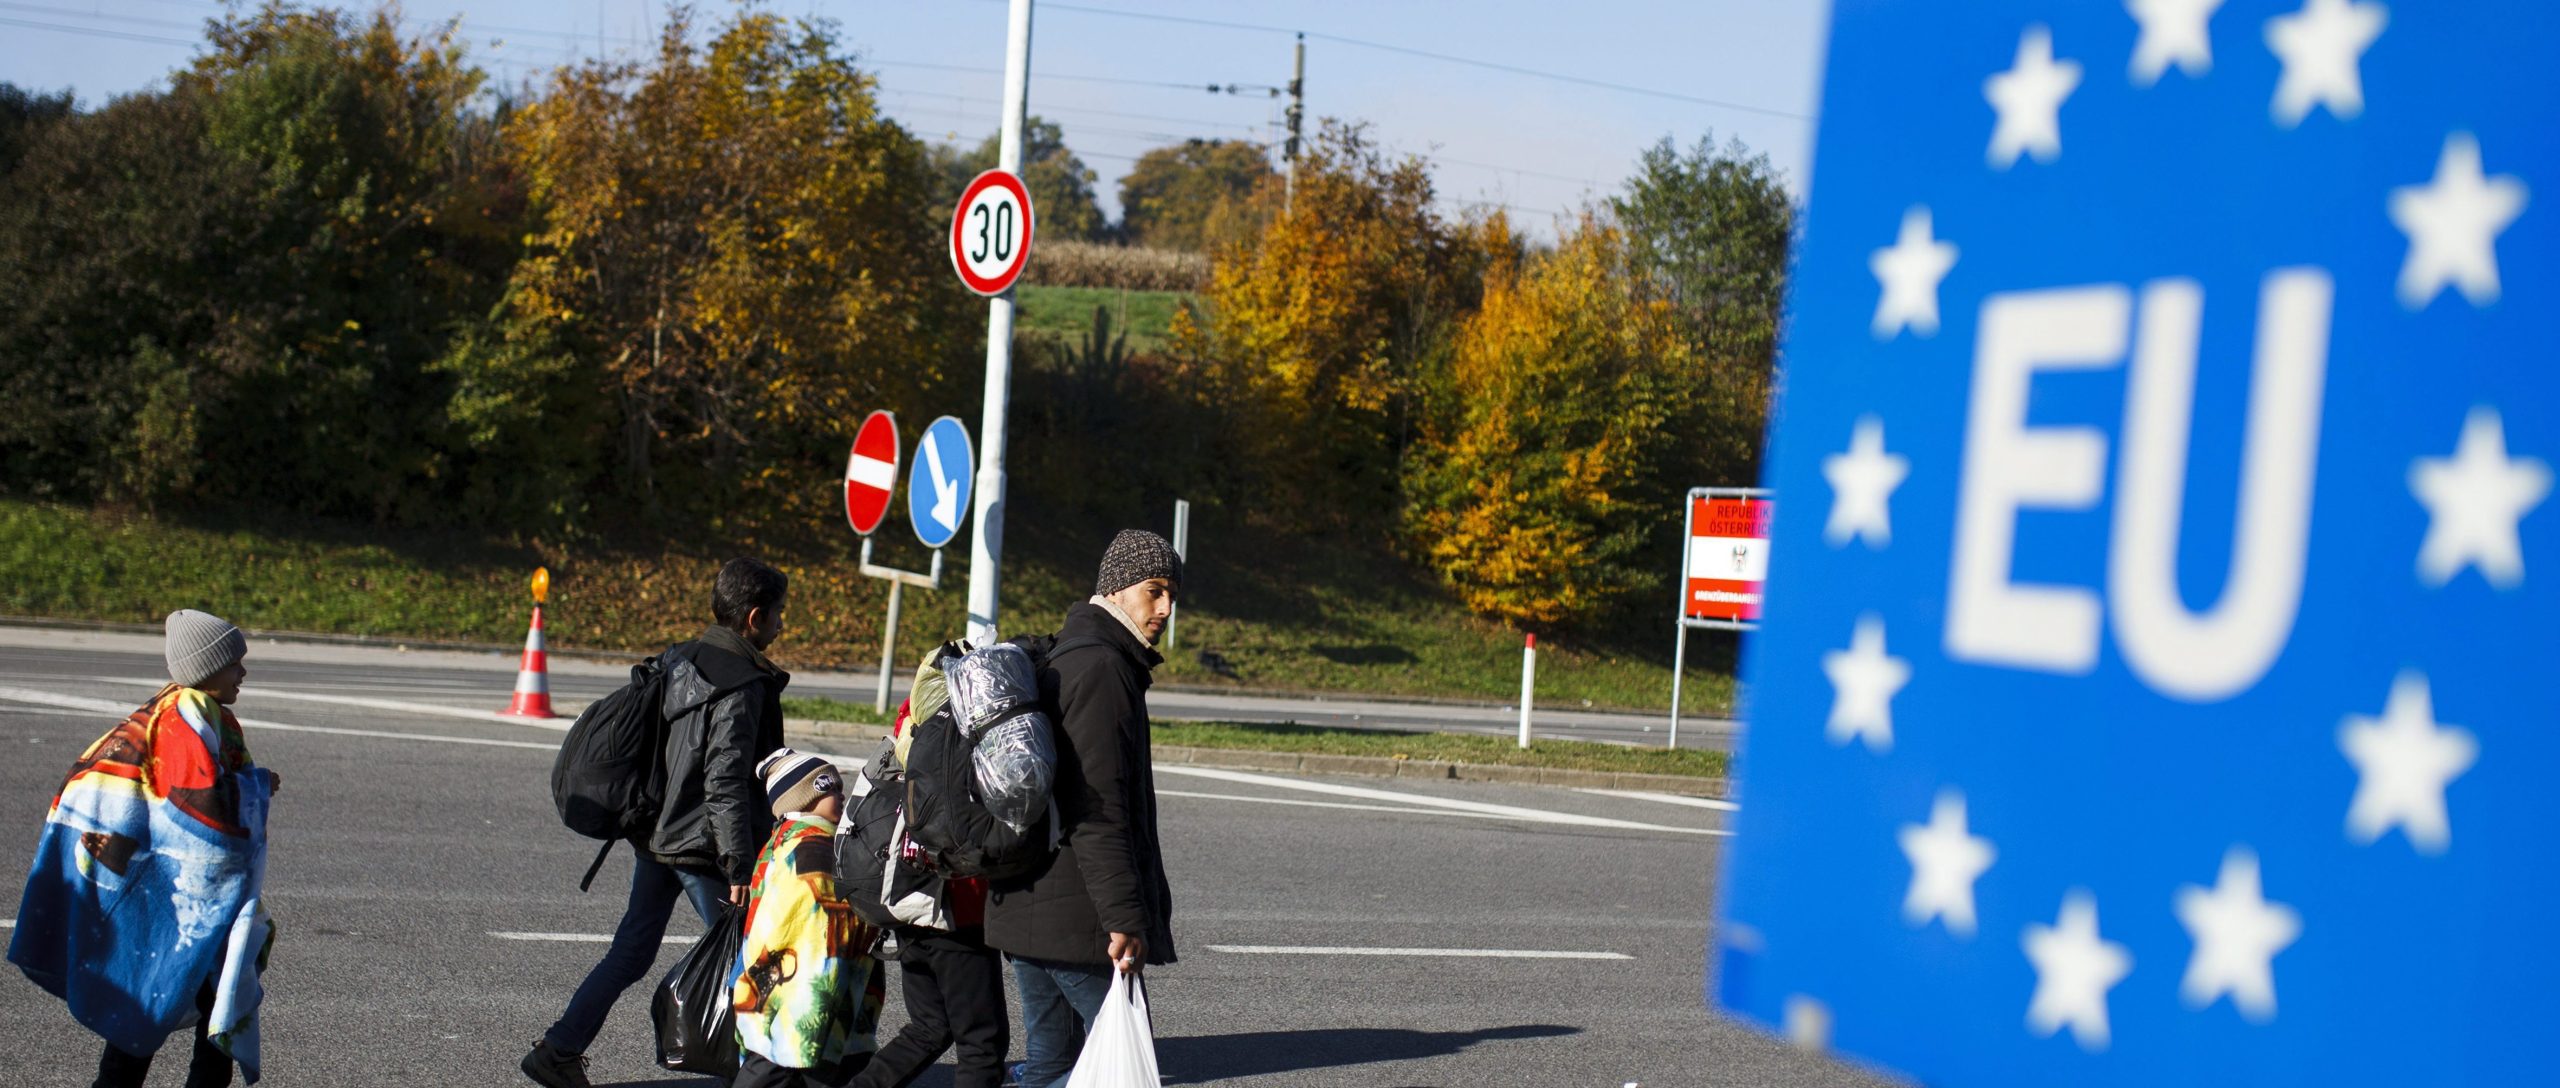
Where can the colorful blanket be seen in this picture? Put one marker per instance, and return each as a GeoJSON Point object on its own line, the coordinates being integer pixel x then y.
{"type": "Point", "coordinates": [146, 881]}
{"type": "Point", "coordinates": [808, 990]}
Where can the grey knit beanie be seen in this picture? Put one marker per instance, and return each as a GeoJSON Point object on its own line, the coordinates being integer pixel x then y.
{"type": "Point", "coordinates": [201, 644]}
{"type": "Point", "coordinates": [1135, 556]}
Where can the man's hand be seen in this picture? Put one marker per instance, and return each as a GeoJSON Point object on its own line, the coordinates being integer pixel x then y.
{"type": "Point", "coordinates": [737, 895]}
{"type": "Point", "coordinates": [1128, 953]}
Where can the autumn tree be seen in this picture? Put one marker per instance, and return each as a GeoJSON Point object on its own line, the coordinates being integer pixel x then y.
{"type": "Point", "coordinates": [741, 244]}
{"type": "Point", "coordinates": [1709, 230]}
{"type": "Point", "coordinates": [1553, 448]}
{"type": "Point", "coordinates": [1061, 185]}
{"type": "Point", "coordinates": [1316, 327]}
{"type": "Point", "coordinates": [1170, 197]}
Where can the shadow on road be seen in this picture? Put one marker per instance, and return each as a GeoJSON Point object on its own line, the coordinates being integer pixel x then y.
{"type": "Point", "coordinates": [1202, 1059]}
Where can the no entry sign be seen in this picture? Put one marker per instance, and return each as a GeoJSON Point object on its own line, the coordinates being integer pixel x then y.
{"type": "Point", "coordinates": [1728, 555]}
{"type": "Point", "coordinates": [991, 232]}
{"type": "Point", "coordinates": [871, 473]}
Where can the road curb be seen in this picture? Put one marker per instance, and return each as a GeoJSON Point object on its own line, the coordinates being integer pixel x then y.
{"type": "Point", "coordinates": [1246, 759]}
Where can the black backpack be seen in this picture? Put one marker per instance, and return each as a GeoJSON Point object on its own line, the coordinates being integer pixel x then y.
{"type": "Point", "coordinates": [873, 873]}
{"type": "Point", "coordinates": [944, 815]}
{"type": "Point", "coordinates": [610, 778]}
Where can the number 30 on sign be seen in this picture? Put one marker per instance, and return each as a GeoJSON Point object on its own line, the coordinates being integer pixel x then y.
{"type": "Point", "coordinates": [991, 232]}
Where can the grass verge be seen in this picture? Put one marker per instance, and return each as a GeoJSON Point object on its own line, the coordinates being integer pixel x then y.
{"type": "Point", "coordinates": [1568, 755]}
{"type": "Point", "coordinates": [1067, 312]}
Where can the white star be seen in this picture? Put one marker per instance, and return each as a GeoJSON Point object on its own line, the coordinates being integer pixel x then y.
{"type": "Point", "coordinates": [1909, 271]}
{"type": "Point", "coordinates": [2173, 32]}
{"type": "Point", "coordinates": [1945, 861]}
{"type": "Point", "coordinates": [2453, 223]}
{"type": "Point", "coordinates": [2321, 47]}
{"type": "Point", "coordinates": [1861, 480]}
{"type": "Point", "coordinates": [2074, 971]}
{"type": "Point", "coordinates": [1863, 682]}
{"type": "Point", "coordinates": [2029, 97]}
{"type": "Point", "coordinates": [2404, 761]}
{"type": "Point", "coordinates": [2474, 500]}
{"type": "Point", "coordinates": [2237, 934]}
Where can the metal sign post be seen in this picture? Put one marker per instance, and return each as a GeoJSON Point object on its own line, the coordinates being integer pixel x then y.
{"type": "Point", "coordinates": [1181, 547]}
{"type": "Point", "coordinates": [987, 551]}
{"type": "Point", "coordinates": [898, 581]}
{"type": "Point", "coordinates": [1716, 604]}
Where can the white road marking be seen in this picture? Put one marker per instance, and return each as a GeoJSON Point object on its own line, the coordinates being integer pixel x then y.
{"type": "Point", "coordinates": [1326, 804]}
{"type": "Point", "coordinates": [1465, 953]}
{"type": "Point", "coordinates": [1531, 815]}
{"type": "Point", "coordinates": [1667, 798]}
{"type": "Point", "coordinates": [587, 938]}
{"type": "Point", "coordinates": [403, 706]}
{"type": "Point", "coordinates": [102, 706]}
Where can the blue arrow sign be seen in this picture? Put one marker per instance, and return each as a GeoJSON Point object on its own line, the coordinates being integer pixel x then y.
{"type": "Point", "coordinates": [2154, 687]}
{"type": "Point", "coordinates": [938, 484]}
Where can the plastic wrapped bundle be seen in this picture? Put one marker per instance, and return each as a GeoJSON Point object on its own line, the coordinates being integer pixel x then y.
{"type": "Point", "coordinates": [989, 684]}
{"type": "Point", "coordinates": [1014, 766]}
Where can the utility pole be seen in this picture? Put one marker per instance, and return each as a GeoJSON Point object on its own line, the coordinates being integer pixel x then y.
{"type": "Point", "coordinates": [986, 549]}
{"type": "Point", "coordinates": [1297, 113]}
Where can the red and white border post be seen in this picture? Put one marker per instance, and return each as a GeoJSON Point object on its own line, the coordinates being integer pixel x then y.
{"type": "Point", "coordinates": [1528, 684]}
{"type": "Point", "coordinates": [1724, 560]}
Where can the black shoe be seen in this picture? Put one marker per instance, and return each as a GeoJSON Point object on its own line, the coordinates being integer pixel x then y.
{"type": "Point", "coordinates": [553, 1069]}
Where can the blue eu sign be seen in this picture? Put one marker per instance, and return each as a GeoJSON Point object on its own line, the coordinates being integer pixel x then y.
{"type": "Point", "coordinates": [2159, 684]}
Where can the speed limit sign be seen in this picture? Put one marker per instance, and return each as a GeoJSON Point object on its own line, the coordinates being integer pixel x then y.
{"type": "Point", "coordinates": [991, 232]}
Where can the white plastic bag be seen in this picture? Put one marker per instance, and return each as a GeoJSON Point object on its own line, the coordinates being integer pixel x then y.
{"type": "Point", "coordinates": [1120, 1052]}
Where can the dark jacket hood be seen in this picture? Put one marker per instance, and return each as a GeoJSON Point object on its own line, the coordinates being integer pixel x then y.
{"type": "Point", "coordinates": [725, 661]}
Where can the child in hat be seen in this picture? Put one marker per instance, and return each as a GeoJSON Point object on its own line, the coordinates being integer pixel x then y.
{"type": "Point", "coordinates": [808, 999]}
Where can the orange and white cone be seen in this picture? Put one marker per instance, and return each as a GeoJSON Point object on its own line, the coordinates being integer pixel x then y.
{"type": "Point", "coordinates": [533, 678]}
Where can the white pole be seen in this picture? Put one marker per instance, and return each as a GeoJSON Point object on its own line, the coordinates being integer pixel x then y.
{"type": "Point", "coordinates": [1181, 547]}
{"type": "Point", "coordinates": [1679, 658]}
{"type": "Point", "coordinates": [889, 648]}
{"type": "Point", "coordinates": [986, 549]}
{"type": "Point", "coordinates": [1528, 685]}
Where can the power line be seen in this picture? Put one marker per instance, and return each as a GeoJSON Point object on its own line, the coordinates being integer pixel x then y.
{"type": "Point", "coordinates": [1447, 58]}
{"type": "Point", "coordinates": [97, 32]}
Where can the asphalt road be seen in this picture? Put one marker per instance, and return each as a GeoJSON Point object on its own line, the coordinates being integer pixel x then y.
{"type": "Point", "coordinates": [483, 680]}
{"type": "Point", "coordinates": [404, 840]}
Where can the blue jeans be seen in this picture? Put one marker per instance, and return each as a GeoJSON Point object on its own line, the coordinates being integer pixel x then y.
{"type": "Point", "coordinates": [1059, 1002]}
{"type": "Point", "coordinates": [654, 887]}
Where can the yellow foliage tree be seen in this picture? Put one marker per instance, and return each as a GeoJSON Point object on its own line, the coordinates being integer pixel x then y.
{"type": "Point", "coordinates": [746, 248]}
{"type": "Point", "coordinates": [1544, 461]}
{"type": "Point", "coordinates": [1315, 327]}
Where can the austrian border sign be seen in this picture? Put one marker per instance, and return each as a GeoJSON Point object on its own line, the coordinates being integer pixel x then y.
{"type": "Point", "coordinates": [2157, 681]}
{"type": "Point", "coordinates": [991, 232]}
{"type": "Point", "coordinates": [871, 472]}
{"type": "Point", "coordinates": [938, 487]}
{"type": "Point", "coordinates": [1727, 556]}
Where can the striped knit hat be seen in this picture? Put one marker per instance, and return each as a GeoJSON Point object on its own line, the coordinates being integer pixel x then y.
{"type": "Point", "coordinates": [794, 780]}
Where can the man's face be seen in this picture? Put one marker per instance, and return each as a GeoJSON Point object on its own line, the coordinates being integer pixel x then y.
{"type": "Point", "coordinates": [1149, 603]}
{"type": "Point", "coordinates": [765, 624]}
{"type": "Point", "coordinates": [224, 686]}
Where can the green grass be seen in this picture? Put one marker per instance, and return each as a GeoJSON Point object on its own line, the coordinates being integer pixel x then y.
{"type": "Point", "coordinates": [1570, 755]}
{"type": "Point", "coordinates": [1323, 615]}
{"type": "Point", "coordinates": [1067, 312]}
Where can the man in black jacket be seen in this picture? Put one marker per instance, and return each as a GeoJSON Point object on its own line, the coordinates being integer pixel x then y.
{"type": "Point", "coordinates": [1101, 901]}
{"type": "Point", "coordinates": [723, 709]}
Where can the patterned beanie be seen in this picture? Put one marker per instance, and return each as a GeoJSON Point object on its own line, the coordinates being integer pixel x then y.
{"type": "Point", "coordinates": [794, 780]}
{"type": "Point", "coordinates": [201, 644]}
{"type": "Point", "coordinates": [1135, 556]}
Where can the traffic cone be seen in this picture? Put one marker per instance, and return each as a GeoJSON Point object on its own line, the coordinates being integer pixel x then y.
{"type": "Point", "coordinates": [533, 678]}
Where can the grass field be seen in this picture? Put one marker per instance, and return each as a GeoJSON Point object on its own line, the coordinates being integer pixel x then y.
{"type": "Point", "coordinates": [1310, 615]}
{"type": "Point", "coordinates": [1067, 312]}
{"type": "Point", "coordinates": [1569, 755]}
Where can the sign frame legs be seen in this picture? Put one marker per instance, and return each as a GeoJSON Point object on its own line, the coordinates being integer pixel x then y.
{"type": "Point", "coordinates": [898, 581]}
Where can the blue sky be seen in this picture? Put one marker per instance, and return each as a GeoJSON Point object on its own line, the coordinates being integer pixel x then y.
{"type": "Point", "coordinates": [1538, 145]}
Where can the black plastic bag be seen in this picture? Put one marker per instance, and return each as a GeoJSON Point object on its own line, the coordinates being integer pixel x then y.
{"type": "Point", "coordinates": [697, 1030]}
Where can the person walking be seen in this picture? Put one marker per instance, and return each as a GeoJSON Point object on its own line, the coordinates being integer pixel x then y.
{"type": "Point", "coordinates": [954, 990]}
{"type": "Point", "coordinates": [1101, 901]}
{"type": "Point", "coordinates": [808, 1000]}
{"type": "Point", "coordinates": [723, 709]}
{"type": "Point", "coordinates": [143, 910]}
